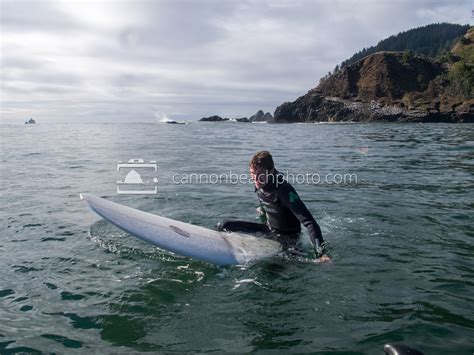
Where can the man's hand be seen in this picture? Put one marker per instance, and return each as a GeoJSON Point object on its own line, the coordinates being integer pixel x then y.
{"type": "Point", "coordinates": [320, 256]}
{"type": "Point", "coordinates": [324, 259]}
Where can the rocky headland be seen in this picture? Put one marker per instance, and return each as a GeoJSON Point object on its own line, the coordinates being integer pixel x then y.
{"type": "Point", "coordinates": [393, 86]}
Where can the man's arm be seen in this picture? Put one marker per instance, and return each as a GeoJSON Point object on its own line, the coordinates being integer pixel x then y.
{"type": "Point", "coordinates": [290, 199]}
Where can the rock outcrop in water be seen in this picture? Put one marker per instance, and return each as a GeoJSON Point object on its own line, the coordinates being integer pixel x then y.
{"type": "Point", "coordinates": [393, 86]}
{"type": "Point", "coordinates": [243, 119]}
{"type": "Point", "coordinates": [216, 118]}
{"type": "Point", "coordinates": [261, 117]}
{"type": "Point", "coordinates": [258, 117]}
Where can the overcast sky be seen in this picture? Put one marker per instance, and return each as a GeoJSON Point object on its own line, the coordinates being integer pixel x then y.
{"type": "Point", "coordinates": [144, 60]}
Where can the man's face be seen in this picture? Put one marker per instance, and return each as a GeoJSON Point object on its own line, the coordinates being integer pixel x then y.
{"type": "Point", "coordinates": [258, 176]}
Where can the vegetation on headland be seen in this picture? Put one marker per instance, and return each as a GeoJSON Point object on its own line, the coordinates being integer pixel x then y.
{"type": "Point", "coordinates": [431, 40]}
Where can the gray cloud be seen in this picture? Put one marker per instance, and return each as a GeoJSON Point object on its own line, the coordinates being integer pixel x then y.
{"type": "Point", "coordinates": [134, 60]}
{"type": "Point", "coordinates": [34, 15]}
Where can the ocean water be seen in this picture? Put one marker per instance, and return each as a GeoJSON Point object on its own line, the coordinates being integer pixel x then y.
{"type": "Point", "coordinates": [401, 239]}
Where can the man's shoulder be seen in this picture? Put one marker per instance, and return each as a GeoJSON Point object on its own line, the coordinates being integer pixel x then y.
{"type": "Point", "coordinates": [286, 190]}
{"type": "Point", "coordinates": [284, 185]}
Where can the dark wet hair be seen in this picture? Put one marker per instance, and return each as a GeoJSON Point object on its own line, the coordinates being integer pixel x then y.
{"type": "Point", "coordinates": [261, 160]}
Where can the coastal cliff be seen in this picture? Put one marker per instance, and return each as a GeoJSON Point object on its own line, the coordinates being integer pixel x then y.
{"type": "Point", "coordinates": [393, 86]}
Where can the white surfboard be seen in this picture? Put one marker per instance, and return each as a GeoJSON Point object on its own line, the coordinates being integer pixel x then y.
{"type": "Point", "coordinates": [220, 248]}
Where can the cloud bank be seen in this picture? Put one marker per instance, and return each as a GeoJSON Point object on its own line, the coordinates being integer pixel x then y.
{"type": "Point", "coordinates": [138, 60]}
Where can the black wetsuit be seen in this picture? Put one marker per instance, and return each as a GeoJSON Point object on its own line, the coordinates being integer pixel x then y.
{"type": "Point", "coordinates": [284, 211]}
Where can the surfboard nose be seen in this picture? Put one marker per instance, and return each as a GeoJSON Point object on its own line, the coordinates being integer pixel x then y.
{"type": "Point", "coordinates": [87, 198]}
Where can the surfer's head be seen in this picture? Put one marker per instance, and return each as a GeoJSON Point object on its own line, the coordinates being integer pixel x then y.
{"type": "Point", "coordinates": [261, 167]}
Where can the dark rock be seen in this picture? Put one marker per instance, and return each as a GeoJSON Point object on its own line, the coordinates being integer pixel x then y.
{"type": "Point", "coordinates": [213, 119]}
{"type": "Point", "coordinates": [267, 117]}
{"type": "Point", "coordinates": [317, 108]}
{"type": "Point", "coordinates": [243, 119]}
{"type": "Point", "coordinates": [221, 119]}
{"type": "Point", "coordinates": [261, 117]}
{"type": "Point", "coordinates": [258, 117]}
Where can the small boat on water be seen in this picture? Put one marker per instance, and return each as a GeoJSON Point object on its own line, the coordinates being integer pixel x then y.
{"type": "Point", "coordinates": [30, 121]}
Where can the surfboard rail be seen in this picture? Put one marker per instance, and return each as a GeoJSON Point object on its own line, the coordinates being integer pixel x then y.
{"type": "Point", "coordinates": [215, 247]}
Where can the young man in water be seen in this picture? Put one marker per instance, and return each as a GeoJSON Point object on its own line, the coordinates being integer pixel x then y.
{"type": "Point", "coordinates": [281, 207]}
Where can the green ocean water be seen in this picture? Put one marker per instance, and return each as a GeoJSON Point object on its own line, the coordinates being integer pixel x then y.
{"type": "Point", "coordinates": [401, 239]}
